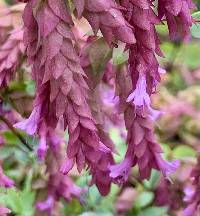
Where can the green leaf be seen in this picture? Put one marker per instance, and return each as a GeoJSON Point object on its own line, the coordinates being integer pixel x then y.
{"type": "Point", "coordinates": [119, 56]}
{"type": "Point", "coordinates": [195, 29]}
{"type": "Point", "coordinates": [154, 211]}
{"type": "Point", "coordinates": [152, 182]}
{"type": "Point", "coordinates": [183, 151]}
{"type": "Point", "coordinates": [144, 199]}
{"type": "Point", "coordinates": [99, 54]}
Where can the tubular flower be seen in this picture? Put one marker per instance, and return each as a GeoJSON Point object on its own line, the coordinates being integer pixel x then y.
{"type": "Point", "coordinates": [106, 16]}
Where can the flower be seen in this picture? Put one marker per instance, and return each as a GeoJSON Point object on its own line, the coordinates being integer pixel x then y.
{"type": "Point", "coordinates": [140, 96]}
{"type": "Point", "coordinates": [120, 172]}
{"type": "Point", "coordinates": [30, 125]}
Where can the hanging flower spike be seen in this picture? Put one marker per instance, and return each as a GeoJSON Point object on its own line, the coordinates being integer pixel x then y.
{"type": "Point", "coordinates": [192, 194]}
{"type": "Point", "coordinates": [59, 185]}
{"type": "Point", "coordinates": [61, 91]}
{"type": "Point", "coordinates": [143, 149]}
{"type": "Point", "coordinates": [106, 16]}
{"type": "Point", "coordinates": [100, 171]}
{"type": "Point", "coordinates": [178, 16]}
{"type": "Point", "coordinates": [11, 40]}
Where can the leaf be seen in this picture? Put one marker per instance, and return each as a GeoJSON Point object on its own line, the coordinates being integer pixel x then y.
{"type": "Point", "coordinates": [195, 29]}
{"type": "Point", "coordinates": [153, 211]}
{"type": "Point", "coordinates": [144, 199]}
{"type": "Point", "coordinates": [99, 55]}
{"type": "Point", "coordinates": [152, 182]}
{"type": "Point", "coordinates": [119, 56]}
{"type": "Point", "coordinates": [183, 151]}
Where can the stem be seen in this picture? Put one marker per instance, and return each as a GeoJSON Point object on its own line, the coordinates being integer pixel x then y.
{"type": "Point", "coordinates": [15, 132]}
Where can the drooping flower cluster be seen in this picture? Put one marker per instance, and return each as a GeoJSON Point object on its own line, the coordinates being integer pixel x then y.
{"type": "Point", "coordinates": [100, 176]}
{"type": "Point", "coordinates": [65, 91]}
{"type": "Point", "coordinates": [192, 193]}
{"type": "Point", "coordinates": [105, 15]}
{"type": "Point", "coordinates": [59, 185]}
{"type": "Point", "coordinates": [61, 88]}
{"type": "Point", "coordinates": [12, 47]}
{"type": "Point", "coordinates": [178, 17]}
{"type": "Point", "coordinates": [143, 148]}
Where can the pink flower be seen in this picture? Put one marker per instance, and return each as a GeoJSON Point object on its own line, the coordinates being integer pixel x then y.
{"type": "Point", "coordinates": [30, 125]}
{"type": "Point", "coordinates": [139, 96]}
{"type": "Point", "coordinates": [120, 172]}
{"type": "Point", "coordinates": [46, 205]}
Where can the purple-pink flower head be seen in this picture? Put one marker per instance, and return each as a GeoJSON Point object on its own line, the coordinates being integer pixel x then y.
{"type": "Point", "coordinates": [139, 96]}
{"type": "Point", "coordinates": [120, 172]}
{"type": "Point", "coordinates": [30, 125]}
{"type": "Point", "coordinates": [46, 205]}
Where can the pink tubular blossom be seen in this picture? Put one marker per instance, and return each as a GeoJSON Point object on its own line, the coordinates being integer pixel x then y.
{"type": "Point", "coordinates": [120, 172]}
{"type": "Point", "coordinates": [30, 125]}
{"type": "Point", "coordinates": [140, 96]}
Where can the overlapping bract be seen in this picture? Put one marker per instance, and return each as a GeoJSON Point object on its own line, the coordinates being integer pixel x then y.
{"type": "Point", "coordinates": [12, 47]}
{"type": "Point", "coordinates": [178, 16]}
{"type": "Point", "coordinates": [11, 54]}
{"type": "Point", "coordinates": [106, 16]}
